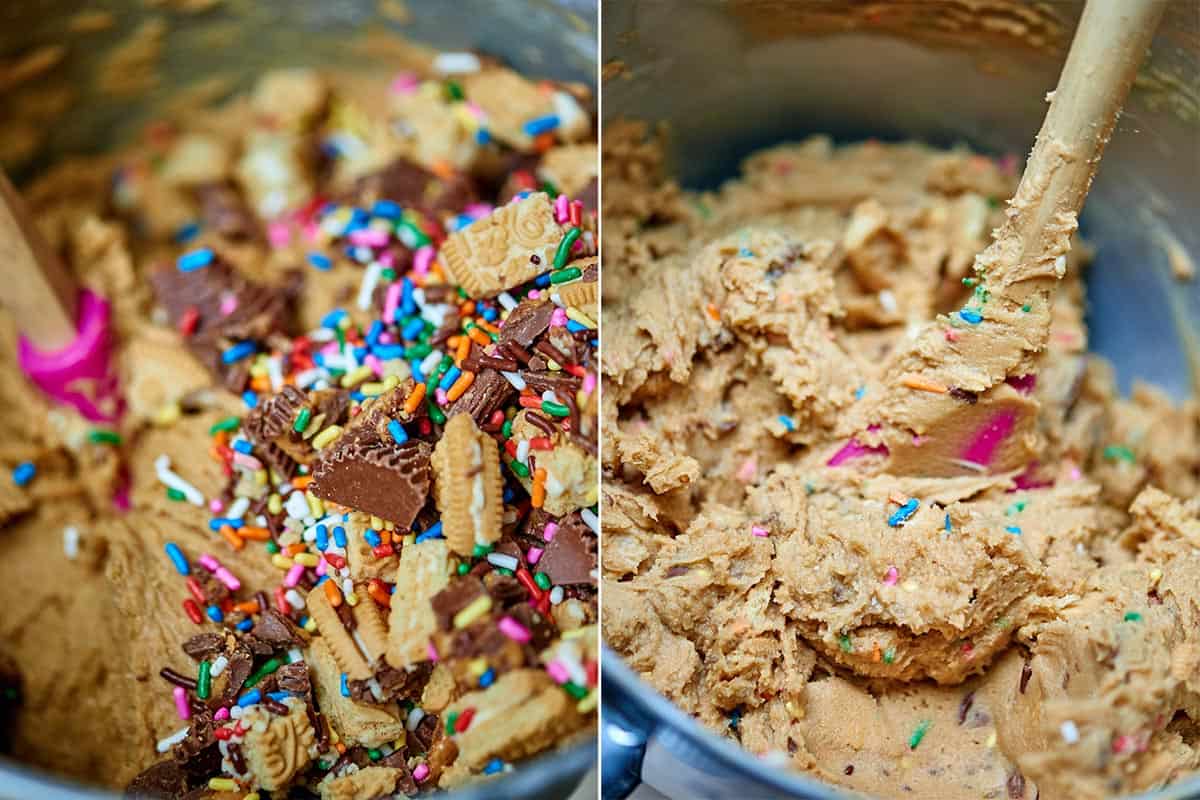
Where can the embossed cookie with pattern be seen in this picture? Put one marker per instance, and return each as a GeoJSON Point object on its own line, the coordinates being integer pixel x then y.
{"type": "Point", "coordinates": [468, 487]}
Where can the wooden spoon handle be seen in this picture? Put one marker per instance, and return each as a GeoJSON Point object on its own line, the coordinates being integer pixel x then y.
{"type": "Point", "coordinates": [37, 288]}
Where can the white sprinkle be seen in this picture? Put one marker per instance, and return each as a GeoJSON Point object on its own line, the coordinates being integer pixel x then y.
{"type": "Point", "coordinates": [218, 666]}
{"type": "Point", "coordinates": [71, 542]}
{"type": "Point", "coordinates": [516, 380]}
{"type": "Point", "coordinates": [888, 301]}
{"type": "Point", "coordinates": [436, 313]}
{"type": "Point", "coordinates": [430, 362]}
{"type": "Point", "coordinates": [419, 297]}
{"type": "Point", "coordinates": [235, 712]}
{"type": "Point", "coordinates": [275, 373]}
{"type": "Point", "coordinates": [294, 655]}
{"type": "Point", "coordinates": [523, 451]}
{"type": "Point", "coordinates": [238, 508]}
{"type": "Point", "coordinates": [1060, 266]}
{"type": "Point", "coordinates": [323, 335]}
{"type": "Point", "coordinates": [167, 742]}
{"type": "Point", "coordinates": [162, 468]}
{"type": "Point", "coordinates": [261, 521]}
{"type": "Point", "coordinates": [414, 719]}
{"type": "Point", "coordinates": [294, 599]}
{"type": "Point", "coordinates": [554, 487]}
{"type": "Point", "coordinates": [297, 505]}
{"type": "Point", "coordinates": [549, 396]}
{"type": "Point", "coordinates": [347, 586]}
{"type": "Point", "coordinates": [507, 301]}
{"type": "Point", "coordinates": [590, 519]}
{"type": "Point", "coordinates": [971, 465]}
{"type": "Point", "coordinates": [376, 689]}
{"type": "Point", "coordinates": [573, 123]}
{"type": "Point", "coordinates": [556, 595]}
{"type": "Point", "coordinates": [456, 63]}
{"type": "Point", "coordinates": [503, 561]}
{"type": "Point", "coordinates": [1070, 733]}
{"type": "Point", "coordinates": [370, 280]}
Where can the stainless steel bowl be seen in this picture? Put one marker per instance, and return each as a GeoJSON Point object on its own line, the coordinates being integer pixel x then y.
{"type": "Point", "coordinates": [730, 76]}
{"type": "Point", "coordinates": [236, 40]}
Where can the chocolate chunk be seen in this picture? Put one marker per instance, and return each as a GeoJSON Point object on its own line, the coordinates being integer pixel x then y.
{"type": "Point", "coordinates": [204, 645]}
{"type": "Point", "coordinates": [411, 186]}
{"type": "Point", "coordinates": [365, 472]}
{"type": "Point", "coordinates": [427, 729]}
{"type": "Point", "coordinates": [398, 759]}
{"type": "Point", "coordinates": [570, 557]}
{"type": "Point", "coordinates": [399, 685]}
{"type": "Point", "coordinates": [277, 629]}
{"type": "Point", "coordinates": [965, 395]}
{"type": "Point", "coordinates": [241, 663]}
{"type": "Point", "coordinates": [542, 630]}
{"type": "Point", "coordinates": [505, 589]}
{"type": "Point", "coordinates": [223, 211]}
{"type": "Point", "coordinates": [1026, 674]}
{"type": "Point", "coordinates": [526, 322]}
{"type": "Point", "coordinates": [293, 678]}
{"type": "Point", "coordinates": [165, 780]}
{"type": "Point", "coordinates": [457, 595]}
{"type": "Point", "coordinates": [488, 392]}
{"type": "Point", "coordinates": [255, 645]}
{"type": "Point", "coordinates": [589, 195]}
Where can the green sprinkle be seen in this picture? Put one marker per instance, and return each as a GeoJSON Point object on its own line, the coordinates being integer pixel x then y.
{"type": "Point", "coordinates": [388, 274]}
{"type": "Point", "coordinates": [323, 765]}
{"type": "Point", "coordinates": [542, 580]}
{"type": "Point", "coordinates": [204, 680]}
{"type": "Point", "coordinates": [969, 282]}
{"type": "Point", "coordinates": [436, 414]}
{"type": "Point", "coordinates": [519, 468]}
{"type": "Point", "coordinates": [176, 495]}
{"type": "Point", "coordinates": [263, 671]}
{"type": "Point", "coordinates": [1133, 616]}
{"type": "Point", "coordinates": [844, 643]}
{"type": "Point", "coordinates": [555, 409]}
{"type": "Point", "coordinates": [374, 754]}
{"type": "Point", "coordinates": [993, 202]}
{"type": "Point", "coordinates": [450, 720]}
{"type": "Point", "coordinates": [454, 91]}
{"type": "Point", "coordinates": [227, 424]}
{"type": "Point", "coordinates": [704, 210]}
{"type": "Point", "coordinates": [481, 550]}
{"type": "Point", "coordinates": [416, 235]}
{"type": "Point", "coordinates": [418, 351]}
{"type": "Point", "coordinates": [1027, 308]}
{"type": "Point", "coordinates": [564, 247]}
{"type": "Point", "coordinates": [463, 568]}
{"type": "Point", "coordinates": [508, 573]}
{"type": "Point", "coordinates": [272, 548]}
{"type": "Point", "coordinates": [922, 728]}
{"type": "Point", "coordinates": [564, 275]}
{"type": "Point", "coordinates": [102, 436]}
{"type": "Point", "coordinates": [550, 189]}
{"type": "Point", "coordinates": [889, 655]}
{"type": "Point", "coordinates": [506, 429]}
{"type": "Point", "coordinates": [1015, 508]}
{"type": "Point", "coordinates": [1002, 623]}
{"type": "Point", "coordinates": [302, 419]}
{"type": "Point", "coordinates": [1118, 452]}
{"type": "Point", "coordinates": [575, 690]}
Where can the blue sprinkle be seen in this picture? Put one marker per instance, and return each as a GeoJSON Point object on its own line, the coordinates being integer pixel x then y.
{"type": "Point", "coordinates": [250, 698]}
{"type": "Point", "coordinates": [360, 353]}
{"type": "Point", "coordinates": [339, 536]}
{"type": "Point", "coordinates": [970, 316]}
{"type": "Point", "coordinates": [949, 527]}
{"type": "Point", "coordinates": [320, 261]}
{"type": "Point", "coordinates": [249, 398]}
{"type": "Point", "coordinates": [417, 375]}
{"type": "Point", "coordinates": [434, 532]}
{"type": "Point", "coordinates": [196, 259]}
{"type": "Point", "coordinates": [186, 232]}
{"type": "Point", "coordinates": [242, 446]}
{"type": "Point", "coordinates": [357, 396]}
{"type": "Point", "coordinates": [542, 281]}
{"type": "Point", "coordinates": [482, 136]}
{"type": "Point", "coordinates": [449, 378]}
{"type": "Point", "coordinates": [332, 319]}
{"type": "Point", "coordinates": [489, 314]}
{"type": "Point", "coordinates": [493, 766]}
{"type": "Point", "coordinates": [407, 304]}
{"type": "Point", "coordinates": [1013, 529]}
{"type": "Point", "coordinates": [746, 252]}
{"type": "Point", "coordinates": [319, 359]}
{"type": "Point", "coordinates": [214, 613]}
{"type": "Point", "coordinates": [279, 697]}
{"type": "Point", "coordinates": [238, 352]}
{"type": "Point", "coordinates": [23, 473]}
{"type": "Point", "coordinates": [245, 625]}
{"type": "Point", "coordinates": [372, 537]}
{"type": "Point", "coordinates": [413, 329]}
{"type": "Point", "coordinates": [860, 392]}
{"type": "Point", "coordinates": [177, 558]}
{"type": "Point", "coordinates": [387, 209]}
{"type": "Point", "coordinates": [787, 422]}
{"type": "Point", "coordinates": [397, 431]}
{"type": "Point", "coordinates": [322, 537]}
{"type": "Point", "coordinates": [901, 515]}
{"type": "Point", "coordinates": [374, 331]}
{"type": "Point", "coordinates": [216, 522]}
{"type": "Point", "coordinates": [345, 686]}
{"type": "Point", "coordinates": [487, 678]}
{"type": "Point", "coordinates": [574, 326]}
{"type": "Point", "coordinates": [540, 124]}
{"type": "Point", "coordinates": [386, 352]}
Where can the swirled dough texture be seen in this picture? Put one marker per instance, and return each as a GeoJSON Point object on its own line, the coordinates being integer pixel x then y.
{"type": "Point", "coordinates": [1004, 602]}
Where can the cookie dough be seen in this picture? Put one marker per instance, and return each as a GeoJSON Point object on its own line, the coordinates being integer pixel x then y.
{"type": "Point", "coordinates": [874, 515]}
{"type": "Point", "coordinates": [247, 586]}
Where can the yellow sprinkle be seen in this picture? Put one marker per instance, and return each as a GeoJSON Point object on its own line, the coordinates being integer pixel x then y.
{"type": "Point", "coordinates": [310, 625]}
{"type": "Point", "coordinates": [581, 318]}
{"type": "Point", "coordinates": [251, 796]}
{"type": "Point", "coordinates": [791, 709]}
{"type": "Point", "coordinates": [327, 437]}
{"type": "Point", "coordinates": [372, 389]}
{"type": "Point", "coordinates": [398, 743]}
{"type": "Point", "coordinates": [909, 586]}
{"type": "Point", "coordinates": [168, 414]}
{"type": "Point", "coordinates": [575, 634]}
{"type": "Point", "coordinates": [274, 503]}
{"type": "Point", "coordinates": [352, 599]}
{"type": "Point", "coordinates": [552, 364]}
{"type": "Point", "coordinates": [307, 559]}
{"type": "Point", "coordinates": [281, 561]}
{"type": "Point", "coordinates": [275, 477]}
{"type": "Point", "coordinates": [1155, 576]}
{"type": "Point", "coordinates": [315, 505]}
{"type": "Point", "coordinates": [409, 538]}
{"type": "Point", "coordinates": [261, 477]}
{"type": "Point", "coordinates": [389, 526]}
{"type": "Point", "coordinates": [991, 740]}
{"type": "Point", "coordinates": [356, 377]}
{"type": "Point", "coordinates": [222, 784]}
{"type": "Point", "coordinates": [333, 735]}
{"type": "Point", "coordinates": [923, 384]}
{"type": "Point", "coordinates": [477, 667]}
{"type": "Point", "coordinates": [376, 522]}
{"type": "Point", "coordinates": [478, 607]}
{"type": "Point", "coordinates": [587, 704]}
{"type": "Point", "coordinates": [391, 382]}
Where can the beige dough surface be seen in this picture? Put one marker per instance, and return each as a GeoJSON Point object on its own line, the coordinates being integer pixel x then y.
{"type": "Point", "coordinates": [785, 370]}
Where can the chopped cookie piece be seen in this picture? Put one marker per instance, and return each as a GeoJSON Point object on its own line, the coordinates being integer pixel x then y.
{"type": "Point", "coordinates": [468, 485]}
{"type": "Point", "coordinates": [368, 783]}
{"type": "Point", "coordinates": [276, 747]}
{"type": "Point", "coordinates": [356, 723]}
{"type": "Point", "coordinates": [424, 571]}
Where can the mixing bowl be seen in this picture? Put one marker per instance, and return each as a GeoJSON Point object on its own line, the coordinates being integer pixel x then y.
{"type": "Point", "coordinates": [223, 46]}
{"type": "Point", "coordinates": [731, 77]}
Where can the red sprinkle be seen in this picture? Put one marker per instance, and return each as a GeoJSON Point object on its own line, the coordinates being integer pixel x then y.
{"type": "Point", "coordinates": [540, 443]}
{"type": "Point", "coordinates": [224, 734]}
{"type": "Point", "coordinates": [593, 672]}
{"type": "Point", "coordinates": [189, 320]}
{"type": "Point", "coordinates": [193, 611]}
{"type": "Point", "coordinates": [383, 551]}
{"type": "Point", "coordinates": [335, 561]}
{"type": "Point", "coordinates": [281, 602]}
{"type": "Point", "coordinates": [194, 589]}
{"type": "Point", "coordinates": [464, 720]}
{"type": "Point", "coordinates": [526, 580]}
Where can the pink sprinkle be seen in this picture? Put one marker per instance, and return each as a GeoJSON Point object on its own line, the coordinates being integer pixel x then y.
{"type": "Point", "coordinates": [513, 630]}
{"type": "Point", "coordinates": [121, 500]}
{"type": "Point", "coordinates": [247, 461]}
{"type": "Point", "coordinates": [748, 471]}
{"type": "Point", "coordinates": [370, 237]}
{"type": "Point", "coordinates": [534, 294]}
{"type": "Point", "coordinates": [279, 235]}
{"type": "Point", "coordinates": [386, 338]}
{"type": "Point", "coordinates": [951, 335]}
{"type": "Point", "coordinates": [294, 574]}
{"type": "Point", "coordinates": [474, 108]}
{"type": "Point", "coordinates": [387, 259]}
{"type": "Point", "coordinates": [892, 577]}
{"type": "Point", "coordinates": [312, 231]}
{"type": "Point", "coordinates": [589, 382]}
{"type": "Point", "coordinates": [559, 318]}
{"type": "Point", "coordinates": [321, 567]}
{"type": "Point", "coordinates": [550, 531]}
{"type": "Point", "coordinates": [982, 448]}
{"type": "Point", "coordinates": [431, 651]}
{"type": "Point", "coordinates": [216, 506]}
{"type": "Point", "coordinates": [181, 703]}
{"type": "Point", "coordinates": [562, 210]}
{"type": "Point", "coordinates": [422, 259]}
{"type": "Point", "coordinates": [228, 578]}
{"type": "Point", "coordinates": [440, 394]}
{"type": "Point", "coordinates": [760, 531]}
{"type": "Point", "coordinates": [209, 563]}
{"type": "Point", "coordinates": [374, 363]}
{"type": "Point", "coordinates": [405, 83]}
{"type": "Point", "coordinates": [918, 440]}
{"type": "Point", "coordinates": [1076, 474]}
{"type": "Point", "coordinates": [420, 772]}
{"type": "Point", "coordinates": [221, 713]}
{"type": "Point", "coordinates": [1029, 479]}
{"type": "Point", "coordinates": [534, 555]}
{"type": "Point", "coordinates": [477, 210]}
{"type": "Point", "coordinates": [229, 304]}
{"type": "Point", "coordinates": [558, 672]}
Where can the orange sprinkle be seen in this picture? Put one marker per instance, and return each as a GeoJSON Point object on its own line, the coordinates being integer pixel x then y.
{"type": "Point", "coordinates": [248, 607]}
{"type": "Point", "coordinates": [414, 399]}
{"type": "Point", "coordinates": [261, 384]}
{"type": "Point", "coordinates": [479, 337]}
{"type": "Point", "coordinates": [333, 593]}
{"type": "Point", "coordinates": [487, 326]}
{"type": "Point", "coordinates": [538, 495]}
{"type": "Point", "coordinates": [713, 312]}
{"type": "Point", "coordinates": [378, 594]}
{"type": "Point", "coordinates": [875, 654]}
{"type": "Point", "coordinates": [385, 536]}
{"type": "Point", "coordinates": [463, 350]}
{"type": "Point", "coordinates": [529, 401]}
{"type": "Point", "coordinates": [254, 534]}
{"type": "Point", "coordinates": [543, 141]}
{"type": "Point", "coordinates": [467, 308]}
{"type": "Point", "coordinates": [301, 482]}
{"type": "Point", "coordinates": [293, 549]}
{"type": "Point", "coordinates": [923, 384]}
{"type": "Point", "coordinates": [341, 748]}
{"type": "Point", "coordinates": [232, 537]}
{"type": "Point", "coordinates": [222, 438]}
{"type": "Point", "coordinates": [442, 168]}
{"type": "Point", "coordinates": [459, 386]}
